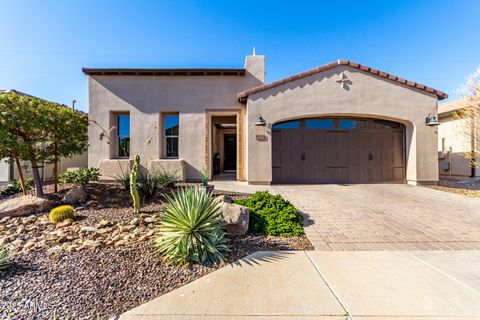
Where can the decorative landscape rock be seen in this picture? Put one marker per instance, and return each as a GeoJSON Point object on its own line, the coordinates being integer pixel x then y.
{"type": "Point", "coordinates": [236, 218]}
{"type": "Point", "coordinates": [24, 206]}
{"type": "Point", "coordinates": [75, 196]}
{"type": "Point", "coordinates": [225, 198]}
{"type": "Point", "coordinates": [150, 220]}
{"type": "Point", "coordinates": [21, 235]}
{"type": "Point", "coordinates": [103, 224]}
{"type": "Point", "coordinates": [88, 229]}
{"type": "Point", "coordinates": [64, 223]}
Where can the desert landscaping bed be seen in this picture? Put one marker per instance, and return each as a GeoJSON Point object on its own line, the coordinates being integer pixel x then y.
{"type": "Point", "coordinates": [470, 188]}
{"type": "Point", "coordinates": [103, 263]}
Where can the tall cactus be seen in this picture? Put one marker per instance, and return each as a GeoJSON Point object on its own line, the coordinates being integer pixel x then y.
{"type": "Point", "coordinates": [133, 185]}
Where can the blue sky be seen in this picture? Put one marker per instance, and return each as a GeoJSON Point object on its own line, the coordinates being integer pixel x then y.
{"type": "Point", "coordinates": [46, 43]}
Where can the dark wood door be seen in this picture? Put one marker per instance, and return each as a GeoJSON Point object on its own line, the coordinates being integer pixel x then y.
{"type": "Point", "coordinates": [230, 152]}
{"type": "Point", "coordinates": [369, 154]}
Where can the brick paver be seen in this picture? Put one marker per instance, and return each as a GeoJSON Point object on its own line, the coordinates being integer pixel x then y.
{"type": "Point", "coordinates": [386, 217]}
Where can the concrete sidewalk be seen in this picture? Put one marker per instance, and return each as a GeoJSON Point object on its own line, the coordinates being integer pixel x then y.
{"type": "Point", "coordinates": [330, 285]}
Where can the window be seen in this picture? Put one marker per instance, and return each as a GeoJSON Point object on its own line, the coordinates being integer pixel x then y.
{"type": "Point", "coordinates": [287, 125]}
{"type": "Point", "coordinates": [123, 134]}
{"type": "Point", "coordinates": [171, 135]}
{"type": "Point", "coordinates": [352, 124]}
{"type": "Point", "coordinates": [385, 124]}
{"type": "Point", "coordinates": [319, 123]}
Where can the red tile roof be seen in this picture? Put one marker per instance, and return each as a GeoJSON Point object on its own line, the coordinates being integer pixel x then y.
{"type": "Point", "coordinates": [243, 96]}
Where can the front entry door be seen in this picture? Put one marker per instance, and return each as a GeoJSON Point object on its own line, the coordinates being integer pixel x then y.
{"type": "Point", "coordinates": [230, 152]}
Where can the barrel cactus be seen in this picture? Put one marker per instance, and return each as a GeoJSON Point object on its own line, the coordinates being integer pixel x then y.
{"type": "Point", "coordinates": [133, 185]}
{"type": "Point", "coordinates": [61, 213]}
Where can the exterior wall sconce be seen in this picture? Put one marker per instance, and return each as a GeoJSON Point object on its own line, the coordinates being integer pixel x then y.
{"type": "Point", "coordinates": [260, 121]}
{"type": "Point", "coordinates": [431, 120]}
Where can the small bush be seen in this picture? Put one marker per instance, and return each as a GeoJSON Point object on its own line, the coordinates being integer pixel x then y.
{"type": "Point", "coordinates": [204, 175]}
{"type": "Point", "coordinates": [273, 215]}
{"type": "Point", "coordinates": [124, 179]}
{"type": "Point", "coordinates": [192, 229]}
{"type": "Point", "coordinates": [168, 179]}
{"type": "Point", "coordinates": [5, 260]}
{"type": "Point", "coordinates": [80, 177]}
{"type": "Point", "coordinates": [150, 184]}
{"type": "Point", "coordinates": [61, 213]}
{"type": "Point", "coordinates": [15, 187]}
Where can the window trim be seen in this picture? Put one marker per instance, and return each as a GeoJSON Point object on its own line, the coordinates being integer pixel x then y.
{"type": "Point", "coordinates": [165, 136]}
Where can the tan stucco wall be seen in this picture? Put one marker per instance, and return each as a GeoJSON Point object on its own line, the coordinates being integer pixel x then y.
{"type": "Point", "coordinates": [147, 97]}
{"type": "Point", "coordinates": [78, 161]}
{"type": "Point", "coordinates": [457, 140]}
{"type": "Point", "coordinates": [366, 96]}
{"type": "Point", "coordinates": [4, 170]}
{"type": "Point", "coordinates": [46, 173]}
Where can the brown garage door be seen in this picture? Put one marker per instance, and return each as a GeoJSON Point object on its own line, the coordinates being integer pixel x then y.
{"type": "Point", "coordinates": [338, 151]}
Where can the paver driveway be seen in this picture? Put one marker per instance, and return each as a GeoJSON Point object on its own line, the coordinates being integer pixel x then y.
{"type": "Point", "coordinates": [386, 217]}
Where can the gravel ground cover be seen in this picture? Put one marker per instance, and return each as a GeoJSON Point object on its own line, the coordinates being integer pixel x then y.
{"type": "Point", "coordinates": [101, 282]}
{"type": "Point", "coordinates": [470, 188]}
{"type": "Point", "coordinates": [98, 284]}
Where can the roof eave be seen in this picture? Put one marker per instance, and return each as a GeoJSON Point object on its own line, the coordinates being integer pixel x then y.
{"type": "Point", "coordinates": [242, 97]}
{"type": "Point", "coordinates": [163, 72]}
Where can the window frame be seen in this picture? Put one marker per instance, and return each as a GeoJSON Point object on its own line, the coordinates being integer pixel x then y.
{"type": "Point", "coordinates": [119, 137]}
{"type": "Point", "coordinates": [336, 124]}
{"type": "Point", "coordinates": [165, 136]}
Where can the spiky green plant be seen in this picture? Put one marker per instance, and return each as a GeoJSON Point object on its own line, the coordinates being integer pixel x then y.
{"type": "Point", "coordinates": [191, 228]}
{"type": "Point", "coordinates": [5, 260]}
{"type": "Point", "coordinates": [204, 175]}
{"type": "Point", "coordinates": [61, 213]}
{"type": "Point", "coordinates": [133, 185]}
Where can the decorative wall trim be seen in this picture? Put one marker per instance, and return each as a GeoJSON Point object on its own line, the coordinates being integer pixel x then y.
{"type": "Point", "coordinates": [240, 138]}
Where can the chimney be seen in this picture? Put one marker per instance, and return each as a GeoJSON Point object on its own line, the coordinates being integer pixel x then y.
{"type": "Point", "coordinates": [255, 66]}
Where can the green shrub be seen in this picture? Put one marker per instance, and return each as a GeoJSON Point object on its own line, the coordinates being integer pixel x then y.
{"type": "Point", "coordinates": [15, 187]}
{"type": "Point", "coordinates": [167, 179]}
{"type": "Point", "coordinates": [273, 215]}
{"type": "Point", "coordinates": [61, 213]}
{"type": "Point", "coordinates": [123, 178]}
{"type": "Point", "coordinates": [150, 184]}
{"type": "Point", "coordinates": [5, 260]}
{"type": "Point", "coordinates": [204, 175]}
{"type": "Point", "coordinates": [192, 229]}
{"type": "Point", "coordinates": [80, 177]}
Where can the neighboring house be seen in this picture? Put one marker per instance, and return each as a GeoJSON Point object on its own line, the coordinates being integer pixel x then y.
{"type": "Point", "coordinates": [453, 140]}
{"type": "Point", "coordinates": [338, 123]}
{"type": "Point", "coordinates": [9, 171]}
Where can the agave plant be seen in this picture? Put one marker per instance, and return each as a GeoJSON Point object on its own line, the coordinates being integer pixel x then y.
{"type": "Point", "coordinates": [192, 229]}
{"type": "Point", "coordinates": [5, 260]}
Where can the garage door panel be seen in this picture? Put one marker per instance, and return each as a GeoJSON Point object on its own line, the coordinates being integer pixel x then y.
{"type": "Point", "coordinates": [398, 174]}
{"type": "Point", "coordinates": [360, 155]}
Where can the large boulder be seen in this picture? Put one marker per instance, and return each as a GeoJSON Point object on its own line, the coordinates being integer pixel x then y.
{"type": "Point", "coordinates": [236, 218]}
{"type": "Point", "coordinates": [75, 196]}
{"type": "Point", "coordinates": [24, 206]}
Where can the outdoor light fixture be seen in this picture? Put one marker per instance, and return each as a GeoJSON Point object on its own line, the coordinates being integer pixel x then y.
{"type": "Point", "coordinates": [260, 121]}
{"type": "Point", "coordinates": [431, 120]}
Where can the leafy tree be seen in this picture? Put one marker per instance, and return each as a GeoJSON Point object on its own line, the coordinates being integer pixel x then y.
{"type": "Point", "coordinates": [68, 135]}
{"type": "Point", "coordinates": [40, 130]}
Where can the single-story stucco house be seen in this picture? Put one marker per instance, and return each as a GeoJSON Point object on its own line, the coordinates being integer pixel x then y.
{"type": "Point", "coordinates": [342, 122]}
{"type": "Point", "coordinates": [9, 171]}
{"type": "Point", "coordinates": [456, 136]}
